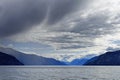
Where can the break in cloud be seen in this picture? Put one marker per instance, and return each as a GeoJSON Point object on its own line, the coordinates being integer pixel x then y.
{"type": "Point", "coordinates": [63, 24]}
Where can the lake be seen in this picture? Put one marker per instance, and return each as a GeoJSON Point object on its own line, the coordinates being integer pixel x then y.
{"type": "Point", "coordinates": [59, 73]}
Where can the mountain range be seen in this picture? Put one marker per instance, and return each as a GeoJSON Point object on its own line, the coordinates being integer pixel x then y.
{"type": "Point", "coordinates": [34, 59]}
{"type": "Point", "coordinates": [10, 56]}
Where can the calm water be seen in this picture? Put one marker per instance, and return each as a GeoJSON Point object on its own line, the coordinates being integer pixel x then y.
{"type": "Point", "coordinates": [59, 73]}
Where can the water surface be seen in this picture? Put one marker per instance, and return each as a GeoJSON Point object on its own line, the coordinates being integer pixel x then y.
{"type": "Point", "coordinates": [59, 73]}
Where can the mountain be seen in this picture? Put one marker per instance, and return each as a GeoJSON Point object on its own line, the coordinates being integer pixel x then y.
{"type": "Point", "coordinates": [78, 61]}
{"type": "Point", "coordinates": [109, 58]}
{"type": "Point", "coordinates": [82, 60]}
{"type": "Point", "coordinates": [31, 59]}
{"type": "Point", "coordinates": [6, 59]}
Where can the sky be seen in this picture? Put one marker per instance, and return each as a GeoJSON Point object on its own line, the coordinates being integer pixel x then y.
{"type": "Point", "coordinates": [78, 27]}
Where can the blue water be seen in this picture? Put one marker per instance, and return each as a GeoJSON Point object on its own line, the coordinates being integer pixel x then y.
{"type": "Point", "coordinates": [59, 73]}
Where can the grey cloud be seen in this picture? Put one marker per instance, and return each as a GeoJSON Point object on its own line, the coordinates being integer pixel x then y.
{"type": "Point", "coordinates": [90, 28]}
{"type": "Point", "coordinates": [65, 40]}
{"type": "Point", "coordinates": [72, 47]}
{"type": "Point", "coordinates": [81, 35]}
{"type": "Point", "coordinates": [94, 25]}
{"type": "Point", "coordinates": [60, 8]}
{"type": "Point", "coordinates": [20, 15]}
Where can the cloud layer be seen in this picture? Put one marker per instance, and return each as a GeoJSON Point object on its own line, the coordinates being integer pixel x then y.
{"type": "Point", "coordinates": [63, 24]}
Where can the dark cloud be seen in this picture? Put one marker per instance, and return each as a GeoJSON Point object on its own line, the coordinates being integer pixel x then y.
{"type": "Point", "coordinates": [60, 8]}
{"type": "Point", "coordinates": [19, 15]}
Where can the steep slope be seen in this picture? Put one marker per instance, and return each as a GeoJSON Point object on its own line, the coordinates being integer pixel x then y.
{"type": "Point", "coordinates": [6, 59]}
{"type": "Point", "coordinates": [31, 59]}
{"type": "Point", "coordinates": [109, 58]}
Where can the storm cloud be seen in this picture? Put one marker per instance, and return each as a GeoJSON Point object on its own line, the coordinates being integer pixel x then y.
{"type": "Point", "coordinates": [20, 15]}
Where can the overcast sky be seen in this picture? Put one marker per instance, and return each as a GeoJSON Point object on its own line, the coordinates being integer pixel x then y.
{"type": "Point", "coordinates": [60, 26]}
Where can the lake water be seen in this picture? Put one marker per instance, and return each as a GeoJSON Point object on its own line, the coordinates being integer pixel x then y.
{"type": "Point", "coordinates": [59, 73]}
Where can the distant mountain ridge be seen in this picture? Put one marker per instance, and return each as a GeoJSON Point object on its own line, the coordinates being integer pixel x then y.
{"type": "Point", "coordinates": [6, 59]}
{"type": "Point", "coordinates": [109, 58]}
{"type": "Point", "coordinates": [81, 61]}
{"type": "Point", "coordinates": [31, 59]}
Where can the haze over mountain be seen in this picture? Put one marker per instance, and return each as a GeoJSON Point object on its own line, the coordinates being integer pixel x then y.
{"type": "Point", "coordinates": [31, 59]}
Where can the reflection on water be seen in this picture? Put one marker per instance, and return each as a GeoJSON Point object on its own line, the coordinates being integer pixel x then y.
{"type": "Point", "coordinates": [59, 73]}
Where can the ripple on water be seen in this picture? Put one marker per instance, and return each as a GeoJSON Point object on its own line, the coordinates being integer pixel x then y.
{"type": "Point", "coordinates": [55, 73]}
